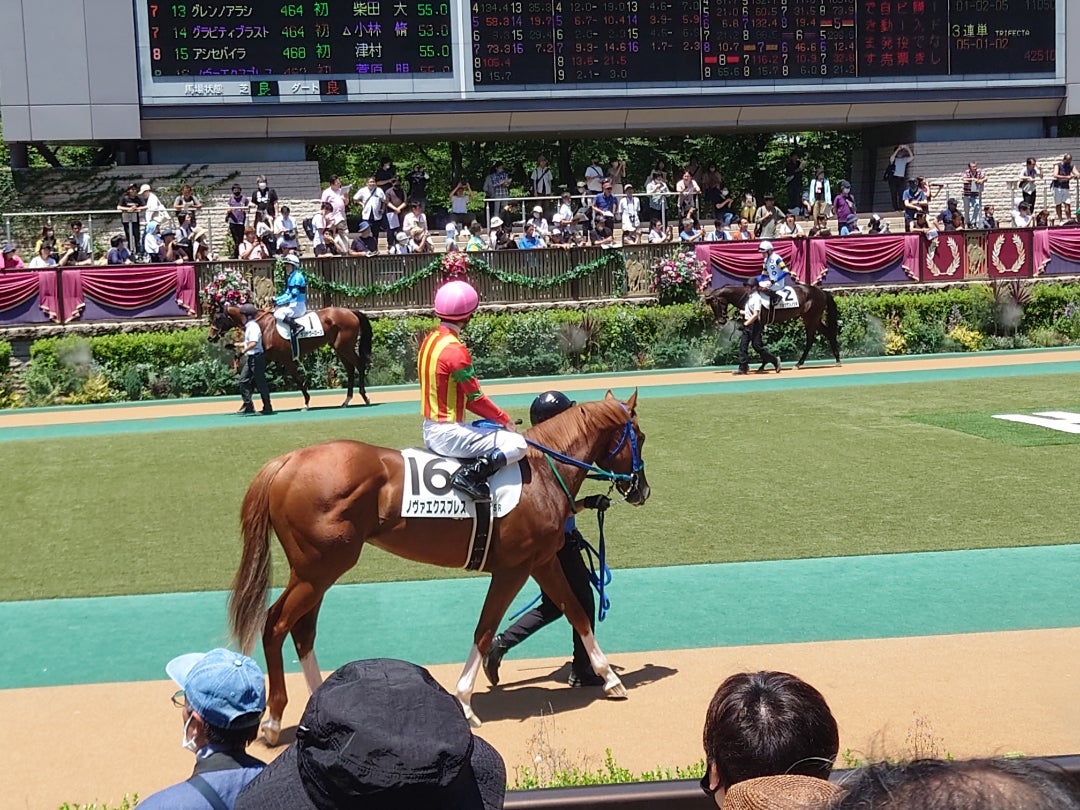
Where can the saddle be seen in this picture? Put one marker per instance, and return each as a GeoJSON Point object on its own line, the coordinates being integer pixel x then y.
{"type": "Point", "coordinates": [310, 326]}
{"type": "Point", "coordinates": [426, 493]}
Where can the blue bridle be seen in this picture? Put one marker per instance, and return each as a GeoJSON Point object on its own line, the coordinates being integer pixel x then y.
{"type": "Point", "coordinates": [599, 473]}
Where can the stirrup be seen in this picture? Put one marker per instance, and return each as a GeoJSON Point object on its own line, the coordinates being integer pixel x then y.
{"type": "Point", "coordinates": [477, 491]}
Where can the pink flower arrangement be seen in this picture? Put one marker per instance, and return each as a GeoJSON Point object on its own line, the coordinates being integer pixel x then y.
{"type": "Point", "coordinates": [455, 265]}
{"type": "Point", "coordinates": [227, 288]}
{"type": "Point", "coordinates": [679, 278]}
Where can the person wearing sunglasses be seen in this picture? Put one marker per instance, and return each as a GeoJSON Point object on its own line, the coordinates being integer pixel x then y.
{"type": "Point", "coordinates": [222, 697]}
{"type": "Point", "coordinates": [770, 741]}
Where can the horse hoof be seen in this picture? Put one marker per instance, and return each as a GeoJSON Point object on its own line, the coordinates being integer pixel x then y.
{"type": "Point", "coordinates": [347, 402]}
{"type": "Point", "coordinates": [470, 715]}
{"type": "Point", "coordinates": [271, 730]}
{"type": "Point", "coordinates": [367, 401]}
{"type": "Point", "coordinates": [614, 689]}
{"type": "Point", "coordinates": [306, 408]}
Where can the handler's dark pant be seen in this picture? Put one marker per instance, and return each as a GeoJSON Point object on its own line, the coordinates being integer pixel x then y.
{"type": "Point", "coordinates": [253, 371]}
{"type": "Point", "coordinates": [577, 574]}
{"type": "Point", "coordinates": [752, 336]}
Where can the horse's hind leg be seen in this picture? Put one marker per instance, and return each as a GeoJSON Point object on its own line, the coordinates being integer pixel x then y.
{"type": "Point", "coordinates": [303, 634]}
{"type": "Point", "coordinates": [296, 602]}
{"type": "Point", "coordinates": [505, 585]}
{"type": "Point", "coordinates": [552, 581]}
{"type": "Point", "coordinates": [355, 366]}
{"type": "Point", "coordinates": [811, 324]}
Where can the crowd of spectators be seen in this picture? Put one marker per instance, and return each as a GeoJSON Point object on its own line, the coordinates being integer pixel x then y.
{"type": "Point", "coordinates": [685, 204]}
{"type": "Point", "coordinates": [384, 733]}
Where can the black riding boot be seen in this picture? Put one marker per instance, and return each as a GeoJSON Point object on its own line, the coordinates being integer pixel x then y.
{"type": "Point", "coordinates": [292, 324]}
{"type": "Point", "coordinates": [471, 479]}
{"type": "Point", "coordinates": [494, 657]}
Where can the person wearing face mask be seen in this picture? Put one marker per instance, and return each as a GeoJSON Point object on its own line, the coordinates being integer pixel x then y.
{"type": "Point", "coordinates": [223, 696]}
{"type": "Point", "coordinates": [265, 198]}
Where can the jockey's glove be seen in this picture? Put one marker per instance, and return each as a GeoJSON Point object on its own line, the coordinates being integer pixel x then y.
{"type": "Point", "coordinates": [597, 502]}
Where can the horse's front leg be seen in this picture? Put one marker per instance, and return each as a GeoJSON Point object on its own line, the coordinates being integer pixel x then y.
{"type": "Point", "coordinates": [552, 581]}
{"type": "Point", "coordinates": [505, 585]}
{"type": "Point", "coordinates": [293, 372]}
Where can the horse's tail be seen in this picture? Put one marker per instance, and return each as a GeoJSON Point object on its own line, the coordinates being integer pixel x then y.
{"type": "Point", "coordinates": [247, 603]}
{"type": "Point", "coordinates": [363, 340]}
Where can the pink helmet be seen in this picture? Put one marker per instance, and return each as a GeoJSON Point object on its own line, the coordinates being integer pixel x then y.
{"type": "Point", "coordinates": [456, 300]}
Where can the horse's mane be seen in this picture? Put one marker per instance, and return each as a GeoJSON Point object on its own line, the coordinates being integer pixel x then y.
{"type": "Point", "coordinates": [563, 430]}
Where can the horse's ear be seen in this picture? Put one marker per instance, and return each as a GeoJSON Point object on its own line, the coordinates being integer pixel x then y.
{"type": "Point", "coordinates": [609, 395]}
{"type": "Point", "coordinates": [632, 402]}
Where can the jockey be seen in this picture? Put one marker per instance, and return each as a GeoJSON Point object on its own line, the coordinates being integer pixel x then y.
{"type": "Point", "coordinates": [773, 267]}
{"type": "Point", "coordinates": [448, 386]}
{"type": "Point", "coordinates": [292, 303]}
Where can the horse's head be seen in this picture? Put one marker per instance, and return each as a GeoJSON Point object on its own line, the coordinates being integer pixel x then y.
{"type": "Point", "coordinates": [721, 299]}
{"type": "Point", "coordinates": [221, 321]}
{"type": "Point", "coordinates": [624, 456]}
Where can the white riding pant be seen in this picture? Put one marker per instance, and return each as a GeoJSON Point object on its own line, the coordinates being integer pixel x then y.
{"type": "Point", "coordinates": [295, 310]}
{"type": "Point", "coordinates": [459, 440]}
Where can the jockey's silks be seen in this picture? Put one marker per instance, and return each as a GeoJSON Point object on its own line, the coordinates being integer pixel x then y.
{"type": "Point", "coordinates": [448, 383]}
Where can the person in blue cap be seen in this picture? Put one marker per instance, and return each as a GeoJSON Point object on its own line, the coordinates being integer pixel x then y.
{"type": "Point", "coordinates": [222, 696]}
{"type": "Point", "coordinates": [545, 406]}
{"type": "Point", "coordinates": [292, 303]}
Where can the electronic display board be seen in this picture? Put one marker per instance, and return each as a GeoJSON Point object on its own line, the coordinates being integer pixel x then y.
{"type": "Point", "coordinates": [386, 50]}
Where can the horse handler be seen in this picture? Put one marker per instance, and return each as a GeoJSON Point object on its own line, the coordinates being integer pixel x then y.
{"type": "Point", "coordinates": [753, 330]}
{"type": "Point", "coordinates": [253, 365]}
{"type": "Point", "coordinates": [449, 386]}
{"type": "Point", "coordinates": [543, 408]}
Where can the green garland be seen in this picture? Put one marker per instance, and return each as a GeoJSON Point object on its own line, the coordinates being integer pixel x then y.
{"type": "Point", "coordinates": [611, 261]}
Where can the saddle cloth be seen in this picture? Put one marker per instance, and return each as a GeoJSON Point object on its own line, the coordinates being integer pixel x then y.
{"type": "Point", "coordinates": [310, 325]}
{"type": "Point", "coordinates": [785, 299]}
{"type": "Point", "coordinates": [427, 494]}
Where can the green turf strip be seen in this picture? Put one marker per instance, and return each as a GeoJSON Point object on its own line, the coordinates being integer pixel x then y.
{"type": "Point", "coordinates": [130, 638]}
{"type": "Point", "coordinates": [744, 475]}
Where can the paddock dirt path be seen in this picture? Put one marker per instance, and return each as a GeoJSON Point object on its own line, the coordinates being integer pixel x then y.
{"type": "Point", "coordinates": [964, 695]}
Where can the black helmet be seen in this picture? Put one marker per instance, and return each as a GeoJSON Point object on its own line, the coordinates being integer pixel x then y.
{"type": "Point", "coordinates": [547, 405]}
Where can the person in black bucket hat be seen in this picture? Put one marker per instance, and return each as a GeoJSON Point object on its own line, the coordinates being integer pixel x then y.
{"type": "Point", "coordinates": [381, 734]}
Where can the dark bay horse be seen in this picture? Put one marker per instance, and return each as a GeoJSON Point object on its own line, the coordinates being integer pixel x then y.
{"type": "Point", "coordinates": [817, 308]}
{"type": "Point", "coordinates": [346, 330]}
{"type": "Point", "coordinates": [324, 502]}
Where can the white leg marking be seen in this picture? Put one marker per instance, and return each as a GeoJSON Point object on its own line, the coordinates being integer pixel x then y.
{"type": "Point", "coordinates": [311, 671]}
{"type": "Point", "coordinates": [271, 730]}
{"type": "Point", "coordinates": [613, 687]}
{"type": "Point", "coordinates": [466, 683]}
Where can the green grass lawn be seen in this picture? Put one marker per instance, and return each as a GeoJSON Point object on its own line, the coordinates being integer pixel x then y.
{"type": "Point", "coordinates": [837, 471]}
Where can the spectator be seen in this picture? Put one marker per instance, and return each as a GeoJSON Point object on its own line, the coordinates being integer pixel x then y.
{"type": "Point", "coordinates": [236, 218]}
{"type": "Point", "coordinates": [324, 220]}
{"type": "Point", "coordinates": [264, 232]}
{"type": "Point", "coordinates": [186, 231]}
{"type": "Point", "coordinates": [47, 237]}
{"type": "Point", "coordinates": [659, 169]}
{"type": "Point", "coordinates": [459, 201]}
{"type": "Point", "coordinates": [44, 257]}
{"type": "Point", "coordinates": [201, 245]}
{"type": "Point", "coordinates": [767, 218]}
{"type": "Point", "coordinates": [603, 233]}
{"type": "Point", "coordinates": [151, 242]}
{"type": "Point", "coordinates": [629, 210]}
{"type": "Point", "coordinates": [538, 222]}
{"type": "Point", "coordinates": [766, 724]}
{"type": "Point", "coordinates": [711, 182]}
{"type": "Point", "coordinates": [540, 178]}
{"type": "Point", "coordinates": [950, 219]}
{"type": "Point", "coordinates": [657, 233]}
{"type": "Point", "coordinates": [724, 207]}
{"type": "Point", "coordinates": [793, 181]}
{"type": "Point", "coordinates": [251, 247]}
{"type": "Point", "coordinates": [977, 784]}
{"type": "Point", "coordinates": [450, 239]}
{"type": "Point", "coordinates": [687, 191]}
{"type": "Point", "coordinates": [821, 226]}
{"type": "Point", "coordinates": [565, 211]}
{"type": "Point", "coordinates": [372, 201]}
{"type": "Point", "coordinates": [154, 209]}
{"type": "Point", "coordinates": [657, 189]}
{"type": "Point", "coordinates": [83, 244]}
{"type": "Point", "coordinates": [1042, 219]}
{"type": "Point", "coordinates": [385, 174]}
{"type": "Point", "coordinates": [973, 179]}
{"type": "Point", "coordinates": [496, 189]}
{"type": "Point", "coordinates": [12, 260]}
{"type": "Point", "coordinates": [119, 253]}
{"type": "Point", "coordinates": [789, 227]}
{"type": "Point", "coordinates": [1064, 173]}
{"type": "Point", "coordinates": [877, 226]}
{"type": "Point", "coordinates": [1031, 172]}
{"type": "Point", "coordinates": [616, 173]}
{"type": "Point", "coordinates": [223, 697]}
{"type": "Point", "coordinates": [420, 240]}
{"type": "Point", "coordinates": [921, 224]}
{"type": "Point", "coordinates": [1022, 217]}
{"type": "Point", "coordinates": [284, 227]}
{"type": "Point", "coordinates": [265, 198]}
{"type": "Point", "coordinates": [416, 218]}
{"type": "Point", "coordinates": [899, 160]}
{"type": "Point", "coordinates": [819, 194]}
{"type": "Point", "coordinates": [396, 211]}
{"type": "Point", "coordinates": [915, 202]}
{"type": "Point", "coordinates": [187, 202]}
{"type": "Point", "coordinates": [418, 181]}
{"type": "Point", "coordinates": [68, 255]}
{"type": "Point", "coordinates": [719, 234]}
{"type": "Point", "coordinates": [384, 734]}
{"type": "Point", "coordinates": [594, 176]}
{"type": "Point", "coordinates": [130, 206]}
{"type": "Point", "coordinates": [749, 206]}
{"type": "Point", "coordinates": [364, 244]}
{"type": "Point", "coordinates": [987, 222]}
{"type": "Point", "coordinates": [690, 232]}
{"type": "Point", "coordinates": [338, 196]}
{"type": "Point", "coordinates": [328, 246]}
{"type": "Point", "coordinates": [850, 226]}
{"type": "Point", "coordinates": [476, 241]}
{"type": "Point", "coordinates": [844, 203]}
{"type": "Point", "coordinates": [170, 251]}
{"type": "Point", "coordinates": [742, 232]}
{"type": "Point", "coordinates": [530, 240]}
{"type": "Point", "coordinates": [401, 245]}
{"type": "Point", "coordinates": [496, 226]}
{"type": "Point", "coordinates": [605, 202]}
{"type": "Point", "coordinates": [504, 240]}
{"type": "Point", "coordinates": [557, 238]}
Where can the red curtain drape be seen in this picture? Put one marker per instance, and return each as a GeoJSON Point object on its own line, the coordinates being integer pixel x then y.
{"type": "Point", "coordinates": [864, 254]}
{"type": "Point", "coordinates": [1063, 242]}
{"type": "Point", "coordinates": [744, 259]}
{"type": "Point", "coordinates": [130, 288]}
{"type": "Point", "coordinates": [16, 288]}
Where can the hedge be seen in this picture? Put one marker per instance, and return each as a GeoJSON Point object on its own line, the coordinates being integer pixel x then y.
{"type": "Point", "coordinates": [548, 342]}
{"type": "Point", "coordinates": [5, 357]}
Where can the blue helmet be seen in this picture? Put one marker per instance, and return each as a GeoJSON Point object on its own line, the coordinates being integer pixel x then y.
{"type": "Point", "coordinates": [549, 404]}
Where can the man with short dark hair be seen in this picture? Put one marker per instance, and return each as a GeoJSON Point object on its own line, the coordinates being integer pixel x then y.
{"type": "Point", "coordinates": [222, 696]}
{"type": "Point", "coordinates": [950, 219]}
{"type": "Point", "coordinates": [763, 724]}
{"type": "Point", "coordinates": [253, 365]}
{"type": "Point", "coordinates": [973, 179]}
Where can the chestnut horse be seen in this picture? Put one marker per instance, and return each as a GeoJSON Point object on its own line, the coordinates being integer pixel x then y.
{"type": "Point", "coordinates": [325, 501]}
{"type": "Point", "coordinates": [817, 308]}
{"type": "Point", "coordinates": [347, 331]}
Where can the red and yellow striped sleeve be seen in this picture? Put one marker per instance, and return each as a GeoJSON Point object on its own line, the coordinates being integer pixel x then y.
{"type": "Point", "coordinates": [448, 382]}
